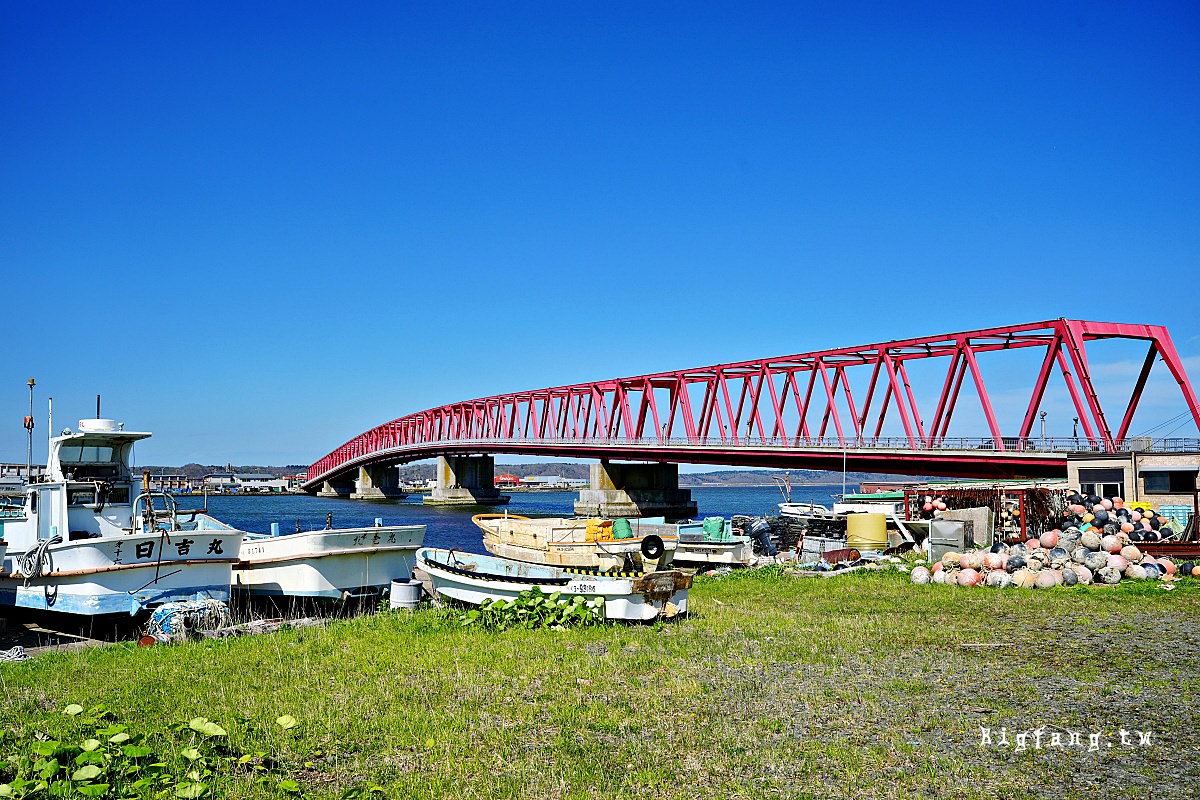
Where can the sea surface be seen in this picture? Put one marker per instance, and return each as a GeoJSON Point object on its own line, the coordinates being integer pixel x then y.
{"type": "Point", "coordinates": [452, 527]}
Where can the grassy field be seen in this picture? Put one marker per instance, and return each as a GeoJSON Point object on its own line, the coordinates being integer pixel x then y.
{"type": "Point", "coordinates": [776, 686]}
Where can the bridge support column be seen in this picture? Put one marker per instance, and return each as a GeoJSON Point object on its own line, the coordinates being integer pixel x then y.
{"type": "Point", "coordinates": [378, 483]}
{"type": "Point", "coordinates": [635, 490]}
{"type": "Point", "coordinates": [465, 481]}
{"type": "Point", "coordinates": [338, 487]}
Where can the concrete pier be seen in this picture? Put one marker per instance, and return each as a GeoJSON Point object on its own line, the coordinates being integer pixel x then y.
{"type": "Point", "coordinates": [635, 490]}
{"type": "Point", "coordinates": [378, 483]}
{"type": "Point", "coordinates": [339, 487]}
{"type": "Point", "coordinates": [465, 481]}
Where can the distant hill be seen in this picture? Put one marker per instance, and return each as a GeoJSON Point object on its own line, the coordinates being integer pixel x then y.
{"type": "Point", "coordinates": [193, 471]}
{"type": "Point", "coordinates": [769, 477]}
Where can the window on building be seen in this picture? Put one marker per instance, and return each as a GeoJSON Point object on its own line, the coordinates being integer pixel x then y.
{"type": "Point", "coordinates": [1102, 482]}
{"type": "Point", "coordinates": [1170, 482]}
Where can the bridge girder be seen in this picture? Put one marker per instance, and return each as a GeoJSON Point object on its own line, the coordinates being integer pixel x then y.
{"type": "Point", "coordinates": [790, 411]}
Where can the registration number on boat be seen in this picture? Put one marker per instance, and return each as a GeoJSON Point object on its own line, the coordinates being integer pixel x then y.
{"type": "Point", "coordinates": [579, 587]}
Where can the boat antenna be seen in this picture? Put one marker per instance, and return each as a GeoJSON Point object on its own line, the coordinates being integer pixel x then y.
{"type": "Point", "coordinates": [29, 433]}
{"type": "Point", "coordinates": [49, 420]}
{"type": "Point", "coordinates": [97, 406]}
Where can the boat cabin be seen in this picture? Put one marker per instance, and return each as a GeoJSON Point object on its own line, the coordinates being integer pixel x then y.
{"type": "Point", "coordinates": [88, 489]}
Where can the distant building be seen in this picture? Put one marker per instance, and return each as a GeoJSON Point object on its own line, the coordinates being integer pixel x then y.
{"type": "Point", "coordinates": [507, 481]}
{"type": "Point", "coordinates": [17, 472]}
{"type": "Point", "coordinates": [170, 483]}
{"type": "Point", "coordinates": [219, 481]}
{"type": "Point", "coordinates": [259, 482]}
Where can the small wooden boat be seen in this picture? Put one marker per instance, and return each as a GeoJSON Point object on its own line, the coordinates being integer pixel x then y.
{"type": "Point", "coordinates": [635, 597]}
{"type": "Point", "coordinates": [330, 564]}
{"type": "Point", "coordinates": [584, 543]}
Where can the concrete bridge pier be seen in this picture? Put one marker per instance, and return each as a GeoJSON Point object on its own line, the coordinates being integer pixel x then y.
{"type": "Point", "coordinates": [378, 483]}
{"type": "Point", "coordinates": [635, 490]}
{"type": "Point", "coordinates": [338, 487]}
{"type": "Point", "coordinates": [465, 481]}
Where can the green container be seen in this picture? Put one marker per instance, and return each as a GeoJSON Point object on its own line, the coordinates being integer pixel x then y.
{"type": "Point", "coordinates": [622, 529]}
{"type": "Point", "coordinates": [714, 529]}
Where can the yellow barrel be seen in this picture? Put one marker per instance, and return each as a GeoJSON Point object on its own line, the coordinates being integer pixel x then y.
{"type": "Point", "coordinates": [866, 531]}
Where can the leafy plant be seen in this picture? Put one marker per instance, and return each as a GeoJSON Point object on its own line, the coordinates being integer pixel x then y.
{"type": "Point", "coordinates": [102, 758]}
{"type": "Point", "coordinates": [533, 608]}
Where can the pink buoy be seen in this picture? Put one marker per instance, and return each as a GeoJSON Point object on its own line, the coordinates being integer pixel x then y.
{"type": "Point", "coordinates": [1033, 543]}
{"type": "Point", "coordinates": [1108, 504]}
{"type": "Point", "coordinates": [1146, 525]}
{"type": "Point", "coordinates": [1049, 539]}
{"type": "Point", "coordinates": [1126, 527]}
{"type": "Point", "coordinates": [928, 507]}
{"type": "Point", "coordinates": [1135, 516]}
{"type": "Point", "coordinates": [941, 505]}
{"type": "Point", "coordinates": [968, 577]}
{"type": "Point", "coordinates": [993, 561]}
{"type": "Point", "coordinates": [1168, 565]}
{"type": "Point", "coordinates": [1110, 544]}
{"type": "Point", "coordinates": [1118, 562]}
{"type": "Point", "coordinates": [937, 568]}
{"type": "Point", "coordinates": [1118, 502]}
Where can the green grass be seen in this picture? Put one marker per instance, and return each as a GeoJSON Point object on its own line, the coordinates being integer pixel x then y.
{"type": "Point", "coordinates": [776, 686]}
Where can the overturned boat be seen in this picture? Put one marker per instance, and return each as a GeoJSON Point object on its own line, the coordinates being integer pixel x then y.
{"type": "Point", "coordinates": [632, 597]}
{"type": "Point", "coordinates": [91, 539]}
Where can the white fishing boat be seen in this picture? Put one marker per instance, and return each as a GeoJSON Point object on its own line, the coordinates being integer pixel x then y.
{"type": "Point", "coordinates": [332, 564]}
{"type": "Point", "coordinates": [585, 543]}
{"type": "Point", "coordinates": [471, 578]}
{"type": "Point", "coordinates": [91, 539]}
{"type": "Point", "coordinates": [711, 543]}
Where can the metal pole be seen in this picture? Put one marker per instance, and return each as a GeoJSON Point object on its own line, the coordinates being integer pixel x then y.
{"type": "Point", "coordinates": [29, 433]}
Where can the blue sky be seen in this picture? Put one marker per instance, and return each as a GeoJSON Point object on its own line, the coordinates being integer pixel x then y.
{"type": "Point", "coordinates": [260, 228]}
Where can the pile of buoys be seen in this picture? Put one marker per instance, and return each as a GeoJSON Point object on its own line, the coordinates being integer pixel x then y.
{"type": "Point", "coordinates": [1069, 557]}
{"type": "Point", "coordinates": [1112, 515]}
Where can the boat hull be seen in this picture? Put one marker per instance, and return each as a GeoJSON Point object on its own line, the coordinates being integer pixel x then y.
{"type": "Point", "coordinates": [479, 578]}
{"type": "Point", "coordinates": [330, 564]}
{"type": "Point", "coordinates": [124, 575]}
{"type": "Point", "coordinates": [565, 543]}
{"type": "Point", "coordinates": [738, 553]}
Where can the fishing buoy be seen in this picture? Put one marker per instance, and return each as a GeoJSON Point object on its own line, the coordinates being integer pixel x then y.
{"type": "Point", "coordinates": [1049, 539]}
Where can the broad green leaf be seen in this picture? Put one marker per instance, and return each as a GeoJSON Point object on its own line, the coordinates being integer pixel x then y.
{"type": "Point", "coordinates": [118, 738]}
{"type": "Point", "coordinates": [191, 790]}
{"type": "Point", "coordinates": [6, 790]}
{"type": "Point", "coordinates": [205, 727]}
{"type": "Point", "coordinates": [49, 769]}
{"type": "Point", "coordinates": [93, 789]}
{"type": "Point", "coordinates": [290, 786]}
{"type": "Point", "coordinates": [73, 709]}
{"type": "Point", "coordinates": [429, 743]}
{"type": "Point", "coordinates": [136, 751]}
{"type": "Point", "coordinates": [190, 753]}
{"type": "Point", "coordinates": [287, 721]}
{"type": "Point", "coordinates": [86, 773]}
{"type": "Point", "coordinates": [89, 745]}
{"type": "Point", "coordinates": [47, 748]}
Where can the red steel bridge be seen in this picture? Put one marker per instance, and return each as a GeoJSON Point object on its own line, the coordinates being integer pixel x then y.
{"type": "Point", "coordinates": [799, 411]}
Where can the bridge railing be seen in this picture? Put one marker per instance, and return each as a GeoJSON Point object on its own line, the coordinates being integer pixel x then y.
{"type": "Point", "coordinates": [654, 445]}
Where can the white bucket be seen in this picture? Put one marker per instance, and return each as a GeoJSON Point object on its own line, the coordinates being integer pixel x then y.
{"type": "Point", "coordinates": [406, 594]}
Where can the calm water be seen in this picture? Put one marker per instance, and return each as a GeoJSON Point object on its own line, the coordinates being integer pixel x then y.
{"type": "Point", "coordinates": [452, 527]}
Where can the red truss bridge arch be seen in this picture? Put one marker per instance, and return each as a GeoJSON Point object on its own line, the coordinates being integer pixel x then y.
{"type": "Point", "coordinates": [799, 411]}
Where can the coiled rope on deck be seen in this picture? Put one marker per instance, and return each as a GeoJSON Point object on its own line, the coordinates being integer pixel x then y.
{"type": "Point", "coordinates": [34, 560]}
